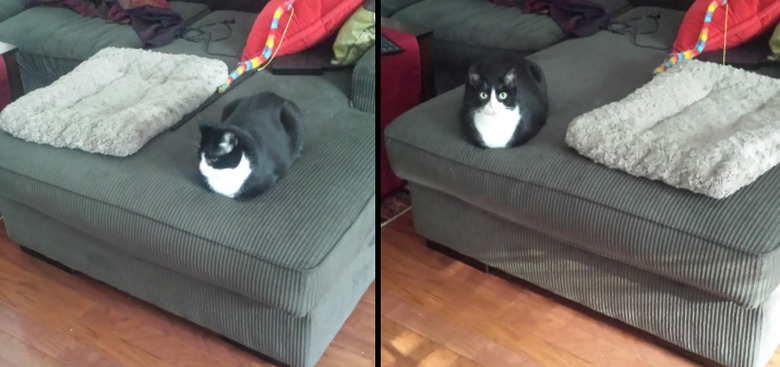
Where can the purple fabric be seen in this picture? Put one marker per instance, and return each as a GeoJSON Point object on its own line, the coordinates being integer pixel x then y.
{"type": "Point", "coordinates": [153, 20]}
{"type": "Point", "coordinates": [154, 25]}
{"type": "Point", "coordinates": [578, 18]}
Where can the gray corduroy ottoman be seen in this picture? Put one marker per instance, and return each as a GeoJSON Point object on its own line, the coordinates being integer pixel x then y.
{"type": "Point", "coordinates": [699, 273]}
{"type": "Point", "coordinates": [278, 274]}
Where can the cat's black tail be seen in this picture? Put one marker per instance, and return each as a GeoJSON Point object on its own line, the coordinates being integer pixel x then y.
{"type": "Point", "coordinates": [538, 77]}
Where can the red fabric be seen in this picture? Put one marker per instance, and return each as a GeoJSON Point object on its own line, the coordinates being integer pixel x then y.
{"type": "Point", "coordinates": [401, 89]}
{"type": "Point", "coordinates": [5, 89]}
{"type": "Point", "coordinates": [314, 20]}
{"type": "Point", "coordinates": [747, 19]}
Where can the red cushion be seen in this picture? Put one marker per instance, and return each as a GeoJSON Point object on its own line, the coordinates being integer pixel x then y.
{"type": "Point", "coordinates": [314, 20]}
{"type": "Point", "coordinates": [401, 90]}
{"type": "Point", "coordinates": [747, 19]}
{"type": "Point", "coordinates": [5, 89]}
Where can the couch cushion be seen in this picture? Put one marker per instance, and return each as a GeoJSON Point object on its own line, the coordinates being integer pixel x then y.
{"type": "Point", "coordinates": [727, 247]}
{"type": "Point", "coordinates": [9, 8]}
{"type": "Point", "coordinates": [286, 247]}
{"type": "Point", "coordinates": [364, 83]}
{"type": "Point", "coordinates": [63, 33]}
{"type": "Point", "coordinates": [389, 7]}
{"type": "Point", "coordinates": [478, 26]}
{"type": "Point", "coordinates": [51, 34]}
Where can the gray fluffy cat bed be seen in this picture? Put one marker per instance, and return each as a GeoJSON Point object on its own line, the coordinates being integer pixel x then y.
{"type": "Point", "coordinates": [114, 102]}
{"type": "Point", "coordinates": [700, 126]}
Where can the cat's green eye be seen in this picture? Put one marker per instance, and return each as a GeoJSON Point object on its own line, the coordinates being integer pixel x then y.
{"type": "Point", "coordinates": [483, 95]}
{"type": "Point", "coordinates": [502, 96]}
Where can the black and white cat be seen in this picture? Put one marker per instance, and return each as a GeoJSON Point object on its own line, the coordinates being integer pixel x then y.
{"type": "Point", "coordinates": [255, 145]}
{"type": "Point", "coordinates": [505, 102]}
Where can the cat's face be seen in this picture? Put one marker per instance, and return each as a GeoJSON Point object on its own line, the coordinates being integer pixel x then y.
{"type": "Point", "coordinates": [219, 147]}
{"type": "Point", "coordinates": [492, 93]}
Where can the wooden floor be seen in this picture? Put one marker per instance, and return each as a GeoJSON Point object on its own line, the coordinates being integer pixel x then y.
{"type": "Point", "coordinates": [49, 318]}
{"type": "Point", "coordinates": [438, 312]}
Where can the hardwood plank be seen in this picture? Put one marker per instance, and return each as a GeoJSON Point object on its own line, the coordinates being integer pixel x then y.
{"type": "Point", "coordinates": [37, 335]}
{"type": "Point", "coordinates": [52, 342]}
{"type": "Point", "coordinates": [404, 347]}
{"type": "Point", "coordinates": [352, 340]}
{"type": "Point", "coordinates": [29, 285]}
{"type": "Point", "coordinates": [43, 301]}
{"type": "Point", "coordinates": [461, 340]}
{"type": "Point", "coordinates": [405, 274]}
{"type": "Point", "coordinates": [52, 318]}
{"type": "Point", "coordinates": [6, 363]}
{"type": "Point", "coordinates": [138, 333]}
{"type": "Point", "coordinates": [428, 298]}
{"type": "Point", "coordinates": [23, 354]}
{"type": "Point", "coordinates": [76, 354]}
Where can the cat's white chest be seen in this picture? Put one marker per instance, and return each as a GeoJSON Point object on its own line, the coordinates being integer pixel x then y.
{"type": "Point", "coordinates": [226, 181]}
{"type": "Point", "coordinates": [496, 126]}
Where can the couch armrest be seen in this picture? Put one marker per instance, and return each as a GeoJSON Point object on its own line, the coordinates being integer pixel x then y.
{"type": "Point", "coordinates": [364, 82]}
{"type": "Point", "coordinates": [9, 8]}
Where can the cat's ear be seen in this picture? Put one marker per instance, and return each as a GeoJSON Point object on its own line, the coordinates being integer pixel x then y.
{"type": "Point", "coordinates": [473, 76]}
{"type": "Point", "coordinates": [204, 124]}
{"type": "Point", "coordinates": [510, 78]}
{"type": "Point", "coordinates": [229, 141]}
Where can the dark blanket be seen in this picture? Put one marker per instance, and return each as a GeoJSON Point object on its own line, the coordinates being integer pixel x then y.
{"type": "Point", "coordinates": [578, 18]}
{"type": "Point", "coordinates": [153, 20]}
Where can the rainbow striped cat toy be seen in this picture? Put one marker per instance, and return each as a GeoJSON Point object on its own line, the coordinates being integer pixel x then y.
{"type": "Point", "coordinates": [266, 56]}
{"type": "Point", "coordinates": [689, 54]}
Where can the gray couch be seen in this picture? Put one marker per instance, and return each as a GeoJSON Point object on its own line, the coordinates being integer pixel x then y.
{"type": "Point", "coordinates": [464, 35]}
{"type": "Point", "coordinates": [279, 274]}
{"type": "Point", "coordinates": [699, 273]}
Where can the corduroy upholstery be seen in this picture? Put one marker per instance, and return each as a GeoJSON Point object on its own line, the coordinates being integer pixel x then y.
{"type": "Point", "coordinates": [477, 27]}
{"type": "Point", "coordinates": [465, 30]}
{"type": "Point", "coordinates": [363, 91]}
{"type": "Point", "coordinates": [723, 253]}
{"type": "Point", "coordinates": [293, 340]}
{"type": "Point", "coordinates": [710, 326]}
{"type": "Point", "coordinates": [389, 7]}
{"type": "Point", "coordinates": [9, 8]}
{"type": "Point", "coordinates": [52, 41]}
{"type": "Point", "coordinates": [279, 274]}
{"type": "Point", "coordinates": [283, 249]}
{"type": "Point", "coordinates": [64, 33]}
{"type": "Point", "coordinates": [286, 258]}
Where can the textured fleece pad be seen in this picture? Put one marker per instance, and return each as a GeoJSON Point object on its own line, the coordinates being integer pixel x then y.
{"type": "Point", "coordinates": [115, 101]}
{"type": "Point", "coordinates": [700, 126]}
